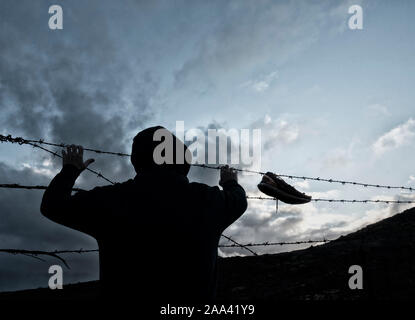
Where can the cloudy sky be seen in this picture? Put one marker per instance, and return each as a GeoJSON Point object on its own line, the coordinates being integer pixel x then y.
{"type": "Point", "coordinates": [330, 102]}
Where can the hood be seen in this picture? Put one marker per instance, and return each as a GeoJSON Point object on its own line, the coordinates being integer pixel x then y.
{"type": "Point", "coordinates": [168, 146]}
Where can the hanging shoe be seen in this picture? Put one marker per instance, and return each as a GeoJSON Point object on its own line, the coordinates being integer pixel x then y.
{"type": "Point", "coordinates": [275, 187]}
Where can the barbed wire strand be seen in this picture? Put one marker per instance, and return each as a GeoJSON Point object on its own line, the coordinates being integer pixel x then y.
{"type": "Point", "coordinates": [21, 141]}
{"type": "Point", "coordinates": [38, 187]}
{"type": "Point", "coordinates": [265, 244]}
{"type": "Point", "coordinates": [341, 200]}
{"type": "Point", "coordinates": [56, 253]}
{"type": "Point", "coordinates": [35, 253]}
{"type": "Point", "coordinates": [239, 245]}
{"type": "Point", "coordinates": [343, 182]}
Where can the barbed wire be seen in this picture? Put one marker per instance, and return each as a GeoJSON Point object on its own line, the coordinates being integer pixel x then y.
{"type": "Point", "coordinates": [21, 141]}
{"type": "Point", "coordinates": [56, 253]}
{"type": "Point", "coordinates": [236, 244]}
{"type": "Point", "coordinates": [219, 167]}
{"type": "Point", "coordinates": [340, 200]}
{"type": "Point", "coordinates": [343, 182]}
{"type": "Point", "coordinates": [38, 187]}
{"type": "Point", "coordinates": [36, 253]}
{"type": "Point", "coordinates": [265, 244]}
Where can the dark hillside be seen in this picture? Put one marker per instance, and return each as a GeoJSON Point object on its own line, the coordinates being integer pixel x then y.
{"type": "Point", "coordinates": [385, 250]}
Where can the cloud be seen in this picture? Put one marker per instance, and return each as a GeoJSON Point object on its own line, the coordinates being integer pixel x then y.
{"type": "Point", "coordinates": [210, 176]}
{"type": "Point", "coordinates": [262, 83]}
{"type": "Point", "coordinates": [23, 227]}
{"type": "Point", "coordinates": [400, 136]}
{"type": "Point", "coordinates": [276, 132]}
{"type": "Point", "coordinates": [247, 40]}
{"type": "Point", "coordinates": [71, 89]}
{"type": "Point", "coordinates": [302, 184]}
{"type": "Point", "coordinates": [340, 156]}
{"type": "Point", "coordinates": [379, 109]}
{"type": "Point", "coordinates": [77, 86]}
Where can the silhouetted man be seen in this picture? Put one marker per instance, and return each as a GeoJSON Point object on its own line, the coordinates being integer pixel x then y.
{"type": "Point", "coordinates": [157, 233]}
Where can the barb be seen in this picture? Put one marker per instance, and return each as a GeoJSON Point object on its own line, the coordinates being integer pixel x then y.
{"type": "Point", "coordinates": [341, 200]}
{"type": "Point", "coordinates": [21, 140]}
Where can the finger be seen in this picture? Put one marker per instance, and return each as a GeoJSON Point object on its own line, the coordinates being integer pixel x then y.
{"type": "Point", "coordinates": [81, 151]}
{"type": "Point", "coordinates": [64, 154]}
{"type": "Point", "coordinates": [70, 153]}
{"type": "Point", "coordinates": [88, 162]}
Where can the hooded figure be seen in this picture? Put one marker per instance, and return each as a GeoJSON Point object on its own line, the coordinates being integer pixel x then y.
{"type": "Point", "coordinates": [158, 233]}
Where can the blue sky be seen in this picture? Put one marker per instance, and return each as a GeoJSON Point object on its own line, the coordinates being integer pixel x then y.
{"type": "Point", "coordinates": [331, 102]}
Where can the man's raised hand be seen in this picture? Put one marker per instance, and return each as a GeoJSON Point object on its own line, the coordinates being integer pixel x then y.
{"type": "Point", "coordinates": [226, 174]}
{"type": "Point", "coordinates": [74, 155]}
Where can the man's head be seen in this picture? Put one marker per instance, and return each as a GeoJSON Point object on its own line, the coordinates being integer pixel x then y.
{"type": "Point", "coordinates": [145, 143]}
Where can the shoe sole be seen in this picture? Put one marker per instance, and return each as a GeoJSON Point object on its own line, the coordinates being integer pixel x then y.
{"type": "Point", "coordinates": [282, 195]}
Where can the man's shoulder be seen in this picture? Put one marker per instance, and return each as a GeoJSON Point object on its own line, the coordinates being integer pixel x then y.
{"type": "Point", "coordinates": [119, 186]}
{"type": "Point", "coordinates": [202, 187]}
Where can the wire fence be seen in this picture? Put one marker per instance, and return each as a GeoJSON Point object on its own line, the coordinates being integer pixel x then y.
{"type": "Point", "coordinates": [56, 253]}
{"type": "Point", "coordinates": [341, 200]}
{"type": "Point", "coordinates": [38, 187]}
{"type": "Point", "coordinates": [35, 143]}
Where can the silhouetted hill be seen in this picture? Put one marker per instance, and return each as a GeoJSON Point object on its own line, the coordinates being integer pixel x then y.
{"type": "Point", "coordinates": [385, 250]}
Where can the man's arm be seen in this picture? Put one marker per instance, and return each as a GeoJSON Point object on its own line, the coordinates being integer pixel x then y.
{"type": "Point", "coordinates": [58, 204]}
{"type": "Point", "coordinates": [234, 196]}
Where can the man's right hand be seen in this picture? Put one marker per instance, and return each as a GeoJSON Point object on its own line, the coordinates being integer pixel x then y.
{"type": "Point", "coordinates": [227, 174]}
{"type": "Point", "coordinates": [74, 155]}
